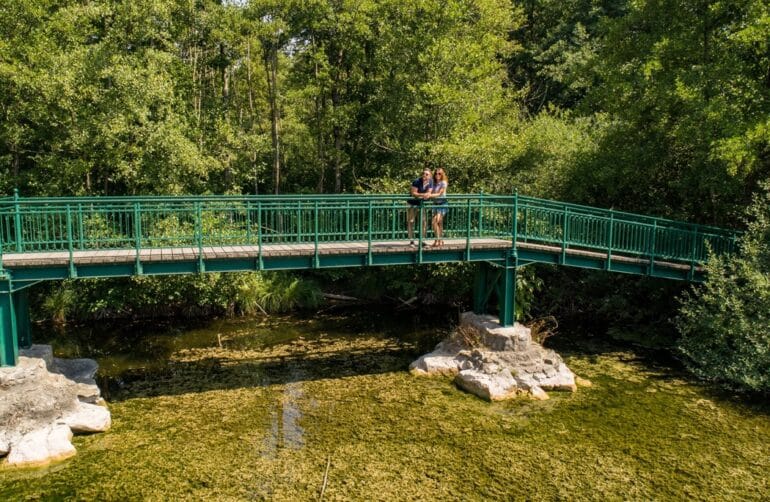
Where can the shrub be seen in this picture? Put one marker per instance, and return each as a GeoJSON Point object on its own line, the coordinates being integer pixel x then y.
{"type": "Point", "coordinates": [725, 323]}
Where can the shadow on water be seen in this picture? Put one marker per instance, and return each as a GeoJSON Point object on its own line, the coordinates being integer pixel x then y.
{"type": "Point", "coordinates": [139, 359]}
{"type": "Point", "coordinates": [226, 373]}
{"type": "Point", "coordinates": [172, 357]}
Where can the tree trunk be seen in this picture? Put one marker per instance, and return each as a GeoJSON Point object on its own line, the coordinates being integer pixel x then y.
{"type": "Point", "coordinates": [320, 103]}
{"type": "Point", "coordinates": [337, 130]}
{"type": "Point", "coordinates": [271, 68]}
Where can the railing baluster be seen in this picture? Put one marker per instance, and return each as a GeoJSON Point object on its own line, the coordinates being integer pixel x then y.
{"type": "Point", "coordinates": [694, 232]}
{"type": "Point", "coordinates": [17, 219]}
{"type": "Point", "coordinates": [394, 215]}
{"type": "Point", "coordinates": [299, 221]}
{"type": "Point", "coordinates": [260, 263]}
{"type": "Point", "coordinates": [481, 213]}
{"type": "Point", "coordinates": [316, 262]}
{"type": "Point", "coordinates": [347, 220]}
{"type": "Point", "coordinates": [138, 238]}
{"type": "Point", "coordinates": [199, 236]}
{"type": "Point", "coordinates": [369, 247]}
{"type": "Point", "coordinates": [565, 232]}
{"type": "Point", "coordinates": [468, 231]}
{"type": "Point", "coordinates": [2, 241]}
{"type": "Point", "coordinates": [515, 219]}
{"type": "Point", "coordinates": [652, 246]}
{"type": "Point", "coordinates": [70, 244]}
{"type": "Point", "coordinates": [609, 240]}
{"type": "Point", "coordinates": [248, 223]}
{"type": "Point", "coordinates": [80, 226]}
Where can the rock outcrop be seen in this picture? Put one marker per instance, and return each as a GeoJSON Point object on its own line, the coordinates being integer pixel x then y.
{"type": "Point", "coordinates": [44, 400]}
{"type": "Point", "coordinates": [496, 362]}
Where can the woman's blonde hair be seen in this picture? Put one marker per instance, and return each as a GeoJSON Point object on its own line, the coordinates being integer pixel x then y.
{"type": "Point", "coordinates": [443, 174]}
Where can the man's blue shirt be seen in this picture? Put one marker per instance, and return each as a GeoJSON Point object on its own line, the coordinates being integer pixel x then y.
{"type": "Point", "coordinates": [420, 189]}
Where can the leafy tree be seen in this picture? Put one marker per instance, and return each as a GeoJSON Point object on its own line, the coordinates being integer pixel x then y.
{"type": "Point", "coordinates": [686, 87]}
{"type": "Point", "coordinates": [725, 324]}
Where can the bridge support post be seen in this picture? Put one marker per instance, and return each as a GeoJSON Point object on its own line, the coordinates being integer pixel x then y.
{"type": "Point", "coordinates": [502, 280]}
{"type": "Point", "coordinates": [482, 287]}
{"type": "Point", "coordinates": [14, 322]}
{"type": "Point", "coordinates": [506, 294]}
{"type": "Point", "coordinates": [9, 342]}
{"type": "Point", "coordinates": [21, 311]}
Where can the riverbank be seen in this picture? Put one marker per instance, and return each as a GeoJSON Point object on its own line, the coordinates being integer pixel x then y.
{"type": "Point", "coordinates": [246, 409]}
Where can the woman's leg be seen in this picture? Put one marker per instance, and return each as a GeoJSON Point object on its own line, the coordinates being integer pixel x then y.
{"type": "Point", "coordinates": [434, 224]}
{"type": "Point", "coordinates": [440, 229]}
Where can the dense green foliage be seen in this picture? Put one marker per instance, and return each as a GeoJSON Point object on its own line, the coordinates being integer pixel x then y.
{"type": "Point", "coordinates": [656, 106]}
{"type": "Point", "coordinates": [726, 324]}
{"type": "Point", "coordinates": [184, 295]}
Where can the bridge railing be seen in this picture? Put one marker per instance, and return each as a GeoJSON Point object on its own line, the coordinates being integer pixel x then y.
{"type": "Point", "coordinates": [29, 225]}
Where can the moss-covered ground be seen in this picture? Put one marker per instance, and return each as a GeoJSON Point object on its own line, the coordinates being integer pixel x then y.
{"type": "Point", "coordinates": [251, 409]}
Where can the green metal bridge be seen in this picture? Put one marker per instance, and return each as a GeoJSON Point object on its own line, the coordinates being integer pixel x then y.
{"type": "Point", "coordinates": [45, 238]}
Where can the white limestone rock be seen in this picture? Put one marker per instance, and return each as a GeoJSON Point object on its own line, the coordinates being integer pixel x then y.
{"type": "Point", "coordinates": [88, 418]}
{"type": "Point", "coordinates": [447, 359]}
{"type": "Point", "coordinates": [560, 378]}
{"type": "Point", "coordinates": [538, 393]}
{"type": "Point", "coordinates": [505, 363]}
{"type": "Point", "coordinates": [492, 386]}
{"type": "Point", "coordinates": [41, 406]}
{"type": "Point", "coordinates": [42, 446]}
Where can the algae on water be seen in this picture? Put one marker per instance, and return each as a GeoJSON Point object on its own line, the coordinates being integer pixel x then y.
{"type": "Point", "coordinates": [254, 410]}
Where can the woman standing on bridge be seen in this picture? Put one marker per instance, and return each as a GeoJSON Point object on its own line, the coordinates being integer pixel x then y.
{"type": "Point", "coordinates": [438, 194]}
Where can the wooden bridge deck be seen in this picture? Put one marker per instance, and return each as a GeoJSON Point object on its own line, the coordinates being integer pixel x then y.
{"type": "Point", "coordinates": [155, 255]}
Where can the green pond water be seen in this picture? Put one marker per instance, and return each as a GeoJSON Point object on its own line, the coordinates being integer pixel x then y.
{"type": "Point", "coordinates": [268, 408]}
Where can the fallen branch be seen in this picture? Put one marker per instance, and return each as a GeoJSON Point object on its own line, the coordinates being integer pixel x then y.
{"type": "Point", "coordinates": [407, 303]}
{"type": "Point", "coordinates": [344, 298]}
{"type": "Point", "coordinates": [326, 477]}
{"type": "Point", "coordinates": [261, 309]}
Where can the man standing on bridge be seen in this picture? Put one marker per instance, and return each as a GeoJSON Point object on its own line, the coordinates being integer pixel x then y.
{"type": "Point", "coordinates": [421, 189]}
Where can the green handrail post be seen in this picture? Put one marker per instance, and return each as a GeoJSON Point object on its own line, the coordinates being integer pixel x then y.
{"type": "Point", "coordinates": [248, 223]}
{"type": "Point", "coordinates": [693, 246]}
{"type": "Point", "coordinates": [17, 219]}
{"type": "Point", "coordinates": [70, 244]}
{"type": "Point", "coordinates": [609, 241]}
{"type": "Point", "coordinates": [2, 245]}
{"type": "Point", "coordinates": [138, 238]}
{"type": "Point", "coordinates": [199, 236]}
{"type": "Point", "coordinates": [419, 229]}
{"type": "Point", "coordinates": [260, 263]}
{"type": "Point", "coordinates": [515, 219]}
{"type": "Point", "coordinates": [481, 213]}
{"type": "Point", "coordinates": [393, 213]}
{"type": "Point", "coordinates": [80, 227]}
{"type": "Point", "coordinates": [299, 221]}
{"type": "Point", "coordinates": [652, 246]}
{"type": "Point", "coordinates": [347, 220]}
{"type": "Point", "coordinates": [565, 232]}
{"type": "Point", "coordinates": [369, 246]}
{"type": "Point", "coordinates": [316, 261]}
{"type": "Point", "coordinates": [468, 233]}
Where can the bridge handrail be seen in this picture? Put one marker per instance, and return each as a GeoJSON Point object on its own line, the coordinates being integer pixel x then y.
{"type": "Point", "coordinates": [523, 199]}
{"type": "Point", "coordinates": [33, 224]}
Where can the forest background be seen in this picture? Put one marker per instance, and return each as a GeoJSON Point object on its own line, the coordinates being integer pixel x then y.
{"type": "Point", "coordinates": [654, 106]}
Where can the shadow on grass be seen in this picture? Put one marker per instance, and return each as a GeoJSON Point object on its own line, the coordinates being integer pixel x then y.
{"type": "Point", "coordinates": [227, 373]}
